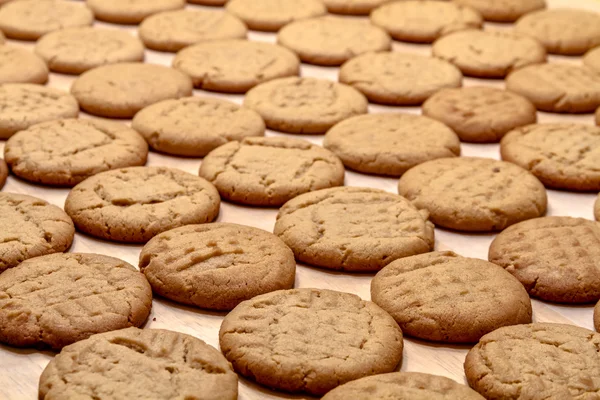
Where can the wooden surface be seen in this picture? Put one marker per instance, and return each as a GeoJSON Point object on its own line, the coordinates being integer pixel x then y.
{"type": "Point", "coordinates": [20, 368]}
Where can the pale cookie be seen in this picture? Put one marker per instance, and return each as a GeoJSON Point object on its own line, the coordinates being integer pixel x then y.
{"type": "Point", "coordinates": [489, 54]}
{"type": "Point", "coordinates": [270, 171]}
{"type": "Point", "coordinates": [555, 258]}
{"type": "Point", "coordinates": [194, 126]}
{"type": "Point", "coordinates": [561, 156]}
{"type": "Point", "coordinates": [59, 299]}
{"type": "Point", "coordinates": [480, 114]}
{"type": "Point", "coordinates": [76, 50]}
{"type": "Point", "coordinates": [235, 66]}
{"type": "Point", "coordinates": [424, 21]}
{"type": "Point", "coordinates": [536, 361]}
{"type": "Point", "coordinates": [137, 203]}
{"type": "Point", "coordinates": [217, 266]}
{"type": "Point", "coordinates": [3, 172]}
{"type": "Point", "coordinates": [65, 152]}
{"type": "Point", "coordinates": [174, 30]}
{"type": "Point", "coordinates": [272, 15]}
{"type": "Point", "coordinates": [474, 194]}
{"type": "Point", "coordinates": [18, 65]}
{"type": "Point", "coordinates": [31, 19]}
{"type": "Point", "coordinates": [31, 227]}
{"type": "Point", "coordinates": [399, 79]}
{"type": "Point", "coordinates": [403, 386]}
{"type": "Point", "coordinates": [562, 30]}
{"type": "Point", "coordinates": [561, 88]}
{"type": "Point", "coordinates": [166, 365]}
{"type": "Point", "coordinates": [130, 11]}
{"type": "Point", "coordinates": [592, 59]}
{"type": "Point", "coordinates": [503, 10]}
{"type": "Point", "coordinates": [305, 105]}
{"type": "Point", "coordinates": [332, 40]}
{"type": "Point", "coordinates": [310, 340]}
{"type": "Point", "coordinates": [121, 90]}
{"type": "Point", "coordinates": [352, 7]}
{"type": "Point", "coordinates": [390, 144]}
{"type": "Point", "coordinates": [354, 229]}
{"type": "Point", "coordinates": [443, 297]}
{"type": "Point", "coordinates": [25, 104]}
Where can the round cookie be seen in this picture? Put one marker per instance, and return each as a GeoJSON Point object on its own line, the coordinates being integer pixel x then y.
{"type": "Point", "coordinates": [194, 126]}
{"type": "Point", "coordinates": [324, 339]}
{"type": "Point", "coordinates": [562, 30]}
{"type": "Point", "coordinates": [76, 50]}
{"type": "Point", "coordinates": [561, 156]}
{"type": "Point", "coordinates": [121, 90]}
{"type": "Point", "coordinates": [272, 15]}
{"type": "Point", "coordinates": [503, 10]}
{"type": "Point", "coordinates": [480, 114]}
{"type": "Point", "coordinates": [332, 40]}
{"type": "Point", "coordinates": [31, 19]}
{"type": "Point", "coordinates": [304, 105]}
{"type": "Point", "coordinates": [21, 66]}
{"type": "Point", "coordinates": [353, 229]}
{"type": "Point", "coordinates": [592, 59]}
{"type": "Point", "coordinates": [137, 203]}
{"type": "Point", "coordinates": [424, 21]}
{"type": "Point", "coordinates": [174, 30]}
{"type": "Point", "coordinates": [555, 258]}
{"type": "Point", "coordinates": [561, 88]}
{"type": "Point", "coordinates": [168, 365]}
{"type": "Point", "coordinates": [270, 171]}
{"type": "Point", "coordinates": [399, 78]}
{"type": "Point", "coordinates": [352, 7]}
{"type": "Point", "coordinates": [390, 144]}
{"type": "Point", "coordinates": [67, 151]}
{"type": "Point", "coordinates": [403, 385]}
{"type": "Point", "coordinates": [31, 227]}
{"type": "Point", "coordinates": [3, 173]}
{"type": "Point", "coordinates": [474, 194]}
{"type": "Point", "coordinates": [59, 299]}
{"type": "Point", "coordinates": [536, 361]}
{"type": "Point", "coordinates": [443, 297]}
{"type": "Point", "coordinates": [130, 11]}
{"type": "Point", "coordinates": [217, 266]}
{"type": "Point", "coordinates": [235, 66]}
{"type": "Point", "coordinates": [489, 54]}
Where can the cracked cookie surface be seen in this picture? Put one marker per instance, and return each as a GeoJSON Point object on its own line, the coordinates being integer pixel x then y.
{"type": "Point", "coordinates": [194, 126]}
{"type": "Point", "coordinates": [562, 156]}
{"type": "Point", "coordinates": [134, 204]}
{"type": "Point", "coordinates": [444, 297]}
{"type": "Point", "coordinates": [67, 151]}
{"type": "Point", "coordinates": [217, 266]}
{"type": "Point", "coordinates": [310, 340]}
{"type": "Point", "coordinates": [503, 10]}
{"type": "Point", "coordinates": [270, 171]}
{"type": "Point", "coordinates": [390, 144]}
{"type": "Point", "coordinates": [474, 194]}
{"type": "Point", "coordinates": [271, 15]}
{"type": "Point", "coordinates": [168, 365]}
{"type": "Point", "coordinates": [130, 11]}
{"type": "Point", "coordinates": [58, 299]}
{"type": "Point", "coordinates": [536, 361]}
{"type": "Point", "coordinates": [31, 227]}
{"type": "Point", "coordinates": [555, 258]}
{"type": "Point", "coordinates": [19, 65]}
{"type": "Point", "coordinates": [354, 229]}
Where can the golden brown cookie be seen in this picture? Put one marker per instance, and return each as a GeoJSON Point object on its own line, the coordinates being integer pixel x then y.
{"type": "Point", "coordinates": [130, 11]}
{"type": "Point", "coordinates": [536, 361]}
{"type": "Point", "coordinates": [270, 171]}
{"type": "Point", "coordinates": [31, 227]}
{"type": "Point", "coordinates": [555, 258]}
{"type": "Point", "coordinates": [310, 340]}
{"type": "Point", "coordinates": [597, 317]}
{"type": "Point", "coordinates": [354, 229]}
{"type": "Point", "coordinates": [561, 156]}
{"type": "Point", "coordinates": [598, 116]}
{"type": "Point", "coordinates": [592, 59]}
{"type": "Point", "coordinates": [272, 15]}
{"type": "Point", "coordinates": [503, 10]}
{"type": "Point", "coordinates": [3, 173]}
{"type": "Point", "coordinates": [217, 266]}
{"type": "Point", "coordinates": [137, 203]}
{"type": "Point", "coordinates": [166, 365]}
{"type": "Point", "coordinates": [352, 7]}
{"type": "Point", "coordinates": [390, 144]}
{"type": "Point", "coordinates": [597, 208]}
{"type": "Point", "coordinates": [444, 297]}
{"type": "Point", "coordinates": [21, 66]}
{"type": "Point", "coordinates": [474, 194]}
{"type": "Point", "coordinates": [59, 299]}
